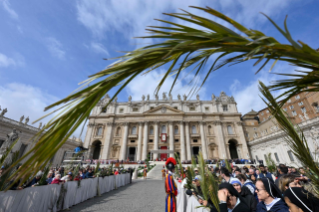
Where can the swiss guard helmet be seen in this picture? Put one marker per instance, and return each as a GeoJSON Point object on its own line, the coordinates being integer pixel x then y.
{"type": "Point", "coordinates": [170, 163]}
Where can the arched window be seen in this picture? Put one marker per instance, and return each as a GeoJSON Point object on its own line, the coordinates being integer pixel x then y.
{"type": "Point", "coordinates": [230, 130]}
{"type": "Point", "coordinates": [99, 131]}
{"type": "Point", "coordinates": [176, 130]}
{"type": "Point", "coordinates": [210, 130]}
{"type": "Point", "coordinates": [163, 129]}
{"type": "Point", "coordinates": [134, 130]}
{"type": "Point", "coordinates": [151, 130]}
{"type": "Point", "coordinates": [194, 130]}
{"type": "Point", "coordinates": [118, 131]}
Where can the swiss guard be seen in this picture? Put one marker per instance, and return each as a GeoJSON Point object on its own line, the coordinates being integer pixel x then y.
{"type": "Point", "coordinates": [170, 186]}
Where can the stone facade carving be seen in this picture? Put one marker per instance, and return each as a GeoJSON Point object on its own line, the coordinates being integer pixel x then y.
{"type": "Point", "coordinates": [4, 111]}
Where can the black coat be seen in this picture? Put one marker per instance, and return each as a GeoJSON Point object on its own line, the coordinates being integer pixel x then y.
{"type": "Point", "coordinates": [241, 207]}
{"type": "Point", "coordinates": [249, 198]}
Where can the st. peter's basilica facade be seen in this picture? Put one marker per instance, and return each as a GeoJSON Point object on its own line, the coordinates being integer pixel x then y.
{"type": "Point", "coordinates": [160, 127]}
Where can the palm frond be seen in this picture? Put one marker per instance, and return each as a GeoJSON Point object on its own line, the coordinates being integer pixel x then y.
{"type": "Point", "coordinates": [227, 164]}
{"type": "Point", "coordinates": [183, 47]}
{"type": "Point", "coordinates": [294, 136]}
{"type": "Point", "coordinates": [202, 171]}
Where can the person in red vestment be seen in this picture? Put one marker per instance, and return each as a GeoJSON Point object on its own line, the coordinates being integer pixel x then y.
{"type": "Point", "coordinates": [170, 186]}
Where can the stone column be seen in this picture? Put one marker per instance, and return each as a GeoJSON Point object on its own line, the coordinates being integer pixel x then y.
{"type": "Point", "coordinates": [244, 148]}
{"type": "Point", "coordinates": [188, 143]}
{"type": "Point", "coordinates": [124, 143]}
{"type": "Point", "coordinates": [171, 138]}
{"type": "Point", "coordinates": [145, 138]}
{"type": "Point", "coordinates": [182, 137]}
{"type": "Point", "coordinates": [203, 141]}
{"type": "Point", "coordinates": [107, 141]}
{"type": "Point", "coordinates": [156, 135]}
{"type": "Point", "coordinates": [88, 135]}
{"type": "Point", "coordinates": [228, 152]}
{"type": "Point", "coordinates": [139, 144]}
{"type": "Point", "coordinates": [220, 138]}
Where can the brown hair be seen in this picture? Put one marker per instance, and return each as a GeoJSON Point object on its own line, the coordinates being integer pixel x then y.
{"type": "Point", "coordinates": [284, 181]}
{"type": "Point", "coordinates": [241, 177]}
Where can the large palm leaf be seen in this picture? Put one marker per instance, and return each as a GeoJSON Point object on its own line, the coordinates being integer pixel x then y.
{"type": "Point", "coordinates": [294, 137]}
{"type": "Point", "coordinates": [182, 47]}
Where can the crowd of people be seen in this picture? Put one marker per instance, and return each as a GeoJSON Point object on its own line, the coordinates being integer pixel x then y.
{"type": "Point", "coordinates": [254, 188]}
{"type": "Point", "coordinates": [61, 175]}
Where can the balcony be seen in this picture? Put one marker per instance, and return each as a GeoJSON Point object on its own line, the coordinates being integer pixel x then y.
{"type": "Point", "coordinates": [132, 136]}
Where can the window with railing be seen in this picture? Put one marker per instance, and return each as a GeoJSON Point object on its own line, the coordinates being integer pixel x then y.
{"type": "Point", "coordinates": [291, 157]}
{"type": "Point", "coordinates": [230, 130]}
{"type": "Point", "coordinates": [194, 130]}
{"type": "Point", "coordinates": [134, 130]}
{"type": "Point", "coordinates": [176, 130]}
{"type": "Point", "coordinates": [225, 108]}
{"type": "Point", "coordinates": [151, 130]}
{"type": "Point", "coordinates": [300, 103]}
{"type": "Point", "coordinates": [303, 109]}
{"type": "Point", "coordinates": [163, 129]}
{"type": "Point", "coordinates": [99, 131]}
{"type": "Point", "coordinates": [294, 113]}
{"type": "Point", "coordinates": [276, 156]}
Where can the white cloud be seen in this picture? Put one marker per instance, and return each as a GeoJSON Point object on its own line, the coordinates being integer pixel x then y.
{"type": "Point", "coordinates": [6, 5]}
{"type": "Point", "coordinates": [55, 47]}
{"type": "Point", "coordinates": [102, 17]}
{"type": "Point", "coordinates": [6, 61]}
{"type": "Point", "coordinates": [21, 99]}
{"type": "Point", "coordinates": [99, 48]}
{"type": "Point", "coordinates": [138, 87]}
{"type": "Point", "coordinates": [248, 96]}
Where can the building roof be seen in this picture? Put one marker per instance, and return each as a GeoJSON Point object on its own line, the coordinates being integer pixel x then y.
{"type": "Point", "coordinates": [252, 112]}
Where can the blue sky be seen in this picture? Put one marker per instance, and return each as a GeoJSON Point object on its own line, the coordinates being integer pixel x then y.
{"type": "Point", "coordinates": [48, 47]}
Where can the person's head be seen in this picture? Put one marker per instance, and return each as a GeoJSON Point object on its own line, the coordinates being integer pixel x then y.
{"type": "Point", "coordinates": [38, 176]}
{"type": "Point", "coordinates": [302, 170]}
{"type": "Point", "coordinates": [236, 184]}
{"type": "Point", "coordinates": [197, 180]}
{"type": "Point", "coordinates": [90, 170]}
{"type": "Point", "coordinates": [224, 173]}
{"type": "Point", "coordinates": [287, 181]}
{"type": "Point", "coordinates": [70, 174]}
{"type": "Point", "coordinates": [289, 170]}
{"type": "Point", "coordinates": [196, 171]}
{"type": "Point", "coordinates": [283, 170]}
{"type": "Point", "coordinates": [245, 169]}
{"type": "Point", "coordinates": [216, 170]}
{"type": "Point", "coordinates": [257, 171]}
{"type": "Point", "coordinates": [242, 178]}
{"type": "Point", "coordinates": [300, 200]}
{"type": "Point", "coordinates": [231, 194]}
{"type": "Point", "coordinates": [266, 190]}
{"type": "Point", "coordinates": [262, 168]}
{"type": "Point", "coordinates": [293, 169]}
{"type": "Point", "coordinates": [50, 174]}
{"type": "Point", "coordinates": [251, 172]}
{"type": "Point", "coordinates": [58, 176]}
{"type": "Point", "coordinates": [237, 171]}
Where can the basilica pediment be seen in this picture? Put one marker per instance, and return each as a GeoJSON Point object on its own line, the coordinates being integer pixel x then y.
{"type": "Point", "coordinates": [164, 109]}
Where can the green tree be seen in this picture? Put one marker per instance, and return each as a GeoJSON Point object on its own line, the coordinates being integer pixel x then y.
{"type": "Point", "coordinates": [181, 47]}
